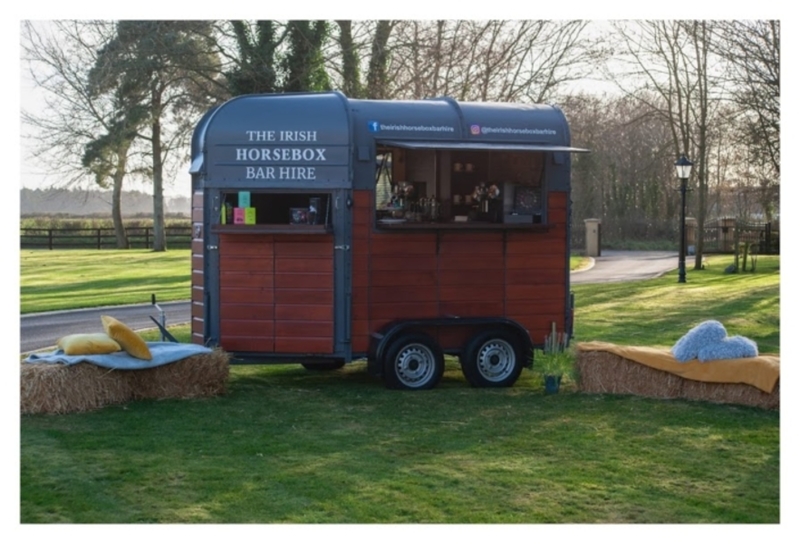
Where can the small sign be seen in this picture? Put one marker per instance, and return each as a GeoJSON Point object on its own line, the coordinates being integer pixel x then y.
{"type": "Point", "coordinates": [238, 216]}
{"type": "Point", "coordinates": [244, 199]}
{"type": "Point", "coordinates": [249, 216]}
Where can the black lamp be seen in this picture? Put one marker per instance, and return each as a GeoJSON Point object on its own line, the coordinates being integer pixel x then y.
{"type": "Point", "coordinates": [683, 168]}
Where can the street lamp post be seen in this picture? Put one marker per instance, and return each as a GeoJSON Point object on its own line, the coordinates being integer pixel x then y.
{"type": "Point", "coordinates": [683, 168]}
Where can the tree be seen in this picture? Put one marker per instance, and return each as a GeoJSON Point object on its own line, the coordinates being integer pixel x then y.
{"type": "Point", "coordinates": [78, 131]}
{"type": "Point", "coordinates": [107, 157]}
{"type": "Point", "coordinates": [303, 64]}
{"type": "Point", "coordinates": [255, 70]}
{"type": "Point", "coordinates": [351, 73]}
{"type": "Point", "coordinates": [671, 59]}
{"type": "Point", "coordinates": [752, 51]}
{"type": "Point", "coordinates": [522, 61]}
{"type": "Point", "coordinates": [360, 62]}
{"type": "Point", "coordinates": [272, 57]}
{"type": "Point", "coordinates": [164, 67]}
{"type": "Point", "coordinates": [626, 179]}
{"type": "Point", "coordinates": [377, 78]}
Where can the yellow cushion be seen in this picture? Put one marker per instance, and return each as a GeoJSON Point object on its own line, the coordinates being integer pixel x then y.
{"type": "Point", "coordinates": [88, 344]}
{"type": "Point", "coordinates": [131, 342]}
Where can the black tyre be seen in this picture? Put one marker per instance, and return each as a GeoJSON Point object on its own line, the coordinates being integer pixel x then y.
{"type": "Point", "coordinates": [326, 366]}
{"type": "Point", "coordinates": [413, 361]}
{"type": "Point", "coordinates": [493, 359]}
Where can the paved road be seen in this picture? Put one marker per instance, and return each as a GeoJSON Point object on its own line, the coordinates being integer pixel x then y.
{"type": "Point", "coordinates": [41, 331]}
{"type": "Point", "coordinates": [614, 266]}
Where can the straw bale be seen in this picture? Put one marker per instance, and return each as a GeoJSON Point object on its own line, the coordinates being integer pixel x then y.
{"type": "Point", "coordinates": [204, 375]}
{"type": "Point", "coordinates": [604, 372]}
{"type": "Point", "coordinates": [59, 389]}
{"type": "Point", "coordinates": [733, 393]}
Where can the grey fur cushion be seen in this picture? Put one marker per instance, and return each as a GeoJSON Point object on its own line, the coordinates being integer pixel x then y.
{"type": "Point", "coordinates": [734, 347]}
{"type": "Point", "coordinates": [699, 337]}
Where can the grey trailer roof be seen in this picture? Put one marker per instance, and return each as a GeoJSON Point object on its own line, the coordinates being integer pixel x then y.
{"type": "Point", "coordinates": [446, 124]}
{"type": "Point", "coordinates": [308, 139]}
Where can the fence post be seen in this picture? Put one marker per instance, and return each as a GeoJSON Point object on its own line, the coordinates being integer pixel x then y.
{"type": "Point", "coordinates": [50, 239]}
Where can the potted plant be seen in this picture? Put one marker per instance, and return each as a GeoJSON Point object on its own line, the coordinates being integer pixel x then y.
{"type": "Point", "coordinates": [554, 360]}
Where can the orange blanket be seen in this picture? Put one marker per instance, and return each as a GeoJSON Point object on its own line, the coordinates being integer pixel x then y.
{"type": "Point", "coordinates": [761, 372]}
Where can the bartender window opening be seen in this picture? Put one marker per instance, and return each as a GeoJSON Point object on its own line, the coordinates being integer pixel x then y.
{"type": "Point", "coordinates": [497, 186]}
{"type": "Point", "coordinates": [405, 186]}
{"type": "Point", "coordinates": [276, 208]}
{"type": "Point", "coordinates": [432, 185]}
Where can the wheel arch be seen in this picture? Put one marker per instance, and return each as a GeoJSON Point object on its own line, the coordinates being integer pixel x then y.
{"type": "Point", "coordinates": [381, 339]}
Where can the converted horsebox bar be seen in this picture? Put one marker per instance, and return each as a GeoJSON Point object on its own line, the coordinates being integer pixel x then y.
{"type": "Point", "coordinates": [328, 229]}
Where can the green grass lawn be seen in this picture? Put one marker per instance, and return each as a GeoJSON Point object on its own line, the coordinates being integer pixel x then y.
{"type": "Point", "coordinates": [658, 312]}
{"type": "Point", "coordinates": [75, 278]}
{"type": "Point", "coordinates": [289, 446]}
{"type": "Point", "coordinates": [578, 261]}
{"type": "Point", "coordinates": [286, 445]}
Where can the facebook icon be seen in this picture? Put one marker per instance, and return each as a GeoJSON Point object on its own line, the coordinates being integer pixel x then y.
{"type": "Point", "coordinates": [373, 126]}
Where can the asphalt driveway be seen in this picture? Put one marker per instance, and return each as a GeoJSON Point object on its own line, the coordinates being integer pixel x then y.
{"type": "Point", "coordinates": [615, 266]}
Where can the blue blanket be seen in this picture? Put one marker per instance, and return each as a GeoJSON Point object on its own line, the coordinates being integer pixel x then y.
{"type": "Point", "coordinates": [163, 353]}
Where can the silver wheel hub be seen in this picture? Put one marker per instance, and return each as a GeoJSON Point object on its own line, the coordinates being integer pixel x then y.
{"type": "Point", "coordinates": [415, 365]}
{"type": "Point", "coordinates": [496, 360]}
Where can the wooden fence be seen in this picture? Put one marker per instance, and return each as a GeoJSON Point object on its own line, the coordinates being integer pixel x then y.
{"type": "Point", "coordinates": [719, 235]}
{"type": "Point", "coordinates": [725, 235]}
{"type": "Point", "coordinates": [178, 237]}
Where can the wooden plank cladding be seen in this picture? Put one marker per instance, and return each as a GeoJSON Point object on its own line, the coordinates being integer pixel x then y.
{"type": "Point", "coordinates": [519, 274]}
{"type": "Point", "coordinates": [277, 289]}
{"type": "Point", "coordinates": [276, 293]}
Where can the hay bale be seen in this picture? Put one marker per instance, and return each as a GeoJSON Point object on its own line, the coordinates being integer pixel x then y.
{"type": "Point", "coordinates": [604, 372]}
{"type": "Point", "coordinates": [204, 375]}
{"type": "Point", "coordinates": [733, 393]}
{"type": "Point", "coordinates": [47, 388]}
{"type": "Point", "coordinates": [60, 389]}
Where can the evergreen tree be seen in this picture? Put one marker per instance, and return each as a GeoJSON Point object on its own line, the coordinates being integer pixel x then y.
{"type": "Point", "coordinates": [163, 67]}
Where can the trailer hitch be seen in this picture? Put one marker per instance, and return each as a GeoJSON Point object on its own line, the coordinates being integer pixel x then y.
{"type": "Point", "coordinates": [162, 325]}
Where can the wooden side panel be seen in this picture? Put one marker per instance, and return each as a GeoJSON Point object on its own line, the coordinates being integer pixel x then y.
{"type": "Point", "coordinates": [536, 270]}
{"type": "Point", "coordinates": [403, 277]}
{"type": "Point", "coordinates": [471, 274]}
{"type": "Point", "coordinates": [247, 301]}
{"type": "Point", "coordinates": [303, 294]}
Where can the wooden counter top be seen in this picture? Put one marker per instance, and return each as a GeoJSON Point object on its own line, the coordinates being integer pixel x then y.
{"type": "Point", "coordinates": [271, 229]}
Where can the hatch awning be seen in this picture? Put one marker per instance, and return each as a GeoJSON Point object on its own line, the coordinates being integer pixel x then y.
{"type": "Point", "coordinates": [480, 146]}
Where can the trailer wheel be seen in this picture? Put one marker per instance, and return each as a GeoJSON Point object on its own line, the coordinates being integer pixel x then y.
{"type": "Point", "coordinates": [413, 361]}
{"type": "Point", "coordinates": [492, 359]}
{"type": "Point", "coordinates": [328, 365]}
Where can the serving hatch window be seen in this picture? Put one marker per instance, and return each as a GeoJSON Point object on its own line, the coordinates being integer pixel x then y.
{"type": "Point", "coordinates": [432, 185]}
{"type": "Point", "coordinates": [273, 208]}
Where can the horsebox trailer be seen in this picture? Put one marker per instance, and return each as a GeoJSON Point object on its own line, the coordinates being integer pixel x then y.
{"type": "Point", "coordinates": [328, 229]}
